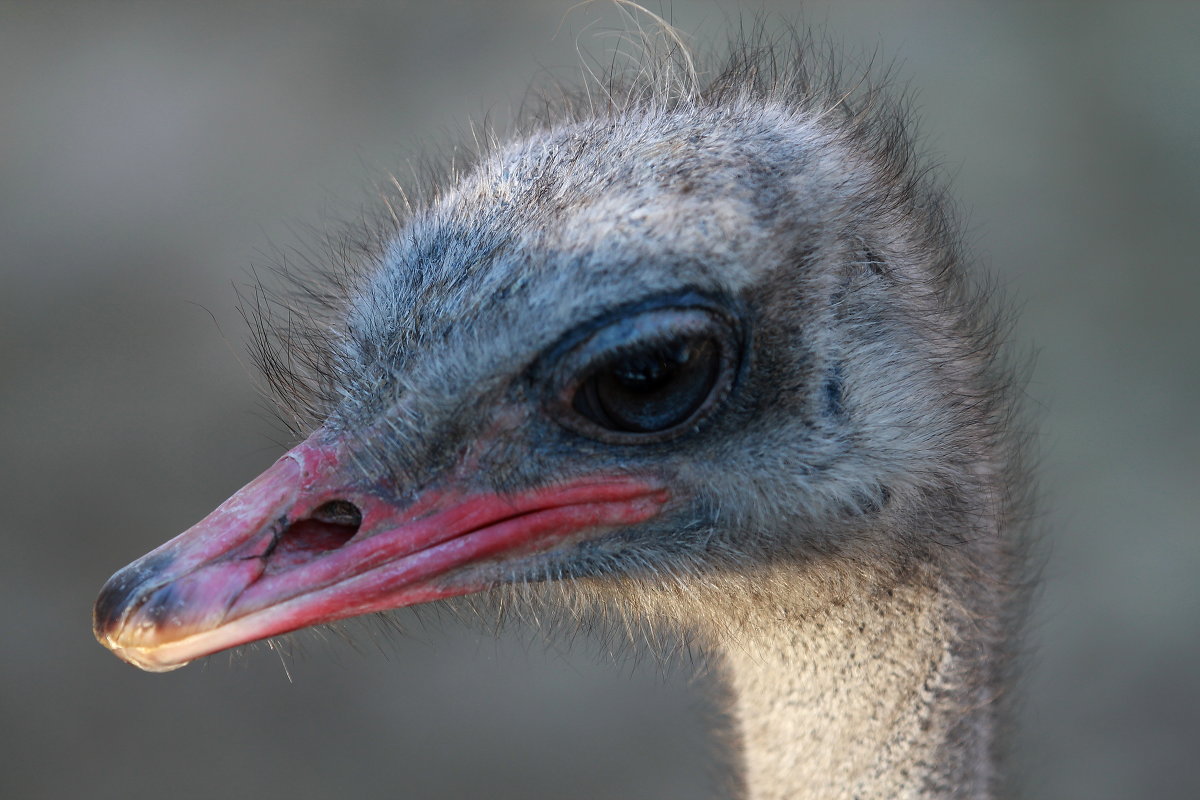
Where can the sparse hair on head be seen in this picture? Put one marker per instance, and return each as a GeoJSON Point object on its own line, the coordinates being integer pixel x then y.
{"type": "Point", "coordinates": [296, 313]}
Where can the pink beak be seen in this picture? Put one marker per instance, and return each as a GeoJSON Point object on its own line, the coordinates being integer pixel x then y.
{"type": "Point", "coordinates": [301, 544]}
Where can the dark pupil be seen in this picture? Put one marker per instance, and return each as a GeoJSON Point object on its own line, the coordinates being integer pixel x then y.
{"type": "Point", "coordinates": [651, 390]}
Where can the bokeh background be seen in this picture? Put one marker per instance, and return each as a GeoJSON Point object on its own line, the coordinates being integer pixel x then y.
{"type": "Point", "coordinates": [150, 154]}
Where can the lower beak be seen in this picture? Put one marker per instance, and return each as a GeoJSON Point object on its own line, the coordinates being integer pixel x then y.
{"type": "Point", "coordinates": [304, 544]}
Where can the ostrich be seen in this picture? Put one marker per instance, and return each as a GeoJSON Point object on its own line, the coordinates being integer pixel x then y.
{"type": "Point", "coordinates": [698, 354]}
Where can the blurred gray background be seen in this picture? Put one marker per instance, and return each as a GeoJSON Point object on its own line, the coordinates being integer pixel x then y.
{"type": "Point", "coordinates": [151, 153]}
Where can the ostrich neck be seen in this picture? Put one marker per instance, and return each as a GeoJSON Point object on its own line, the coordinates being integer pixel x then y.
{"type": "Point", "coordinates": [865, 694]}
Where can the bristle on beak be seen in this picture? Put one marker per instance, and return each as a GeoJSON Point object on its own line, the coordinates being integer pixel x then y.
{"type": "Point", "coordinates": [306, 543]}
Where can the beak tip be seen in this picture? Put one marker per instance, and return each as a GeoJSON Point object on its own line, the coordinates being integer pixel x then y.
{"type": "Point", "coordinates": [142, 658]}
{"type": "Point", "coordinates": [124, 587]}
{"type": "Point", "coordinates": [137, 657]}
{"type": "Point", "coordinates": [110, 608]}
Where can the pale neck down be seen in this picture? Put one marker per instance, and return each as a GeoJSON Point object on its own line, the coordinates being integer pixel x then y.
{"type": "Point", "coordinates": [867, 696]}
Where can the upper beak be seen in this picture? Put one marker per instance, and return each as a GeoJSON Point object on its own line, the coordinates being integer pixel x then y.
{"type": "Point", "coordinates": [306, 543]}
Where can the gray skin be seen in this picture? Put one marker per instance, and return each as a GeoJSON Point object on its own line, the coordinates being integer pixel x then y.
{"type": "Point", "coordinates": [844, 532]}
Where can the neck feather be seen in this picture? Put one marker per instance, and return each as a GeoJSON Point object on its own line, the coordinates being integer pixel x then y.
{"type": "Point", "coordinates": [847, 681]}
{"type": "Point", "coordinates": [871, 696]}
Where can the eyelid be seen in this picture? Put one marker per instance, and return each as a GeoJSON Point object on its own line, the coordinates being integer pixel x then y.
{"type": "Point", "coordinates": [684, 300]}
{"type": "Point", "coordinates": [630, 335]}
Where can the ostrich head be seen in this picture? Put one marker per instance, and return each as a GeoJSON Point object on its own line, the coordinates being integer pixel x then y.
{"type": "Point", "coordinates": [660, 352]}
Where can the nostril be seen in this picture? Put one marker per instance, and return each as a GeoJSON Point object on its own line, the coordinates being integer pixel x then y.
{"type": "Point", "coordinates": [326, 529]}
{"type": "Point", "coordinates": [339, 512]}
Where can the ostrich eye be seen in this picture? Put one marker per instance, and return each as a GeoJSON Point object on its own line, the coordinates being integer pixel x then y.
{"type": "Point", "coordinates": [651, 390]}
{"type": "Point", "coordinates": [649, 376]}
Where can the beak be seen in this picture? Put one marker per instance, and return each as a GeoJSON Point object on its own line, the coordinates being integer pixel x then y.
{"type": "Point", "coordinates": [305, 543]}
